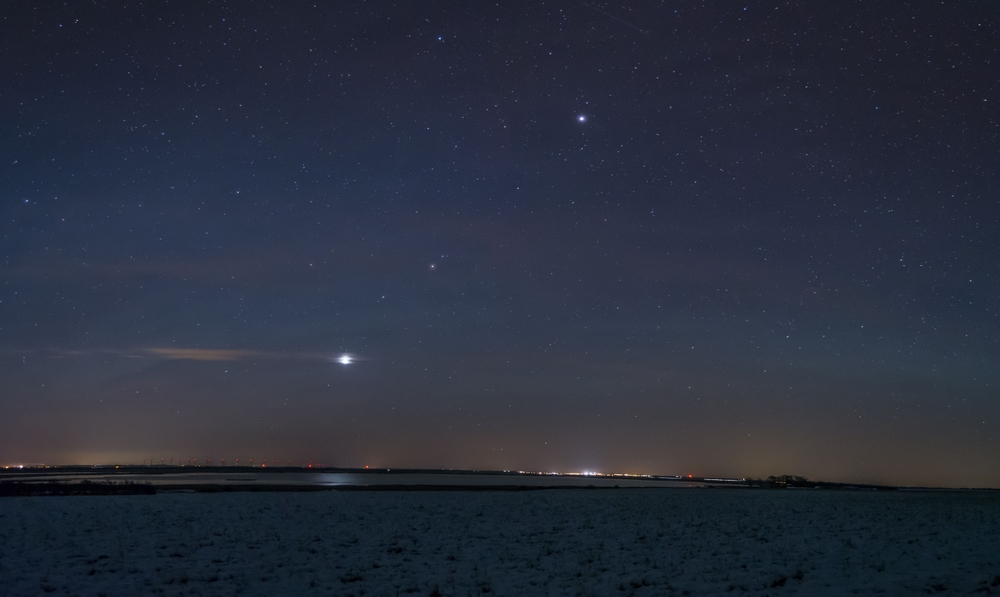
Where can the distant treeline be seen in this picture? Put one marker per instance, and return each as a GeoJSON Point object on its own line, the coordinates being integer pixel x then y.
{"type": "Point", "coordinates": [795, 481]}
{"type": "Point", "coordinates": [781, 481]}
{"type": "Point", "coordinates": [17, 488]}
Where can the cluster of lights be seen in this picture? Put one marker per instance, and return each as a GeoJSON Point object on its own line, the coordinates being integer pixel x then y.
{"type": "Point", "coordinates": [586, 474]}
{"type": "Point", "coordinates": [627, 475]}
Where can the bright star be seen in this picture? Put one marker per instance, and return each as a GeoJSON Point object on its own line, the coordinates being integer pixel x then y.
{"type": "Point", "coordinates": [582, 118]}
{"type": "Point", "coordinates": [345, 359]}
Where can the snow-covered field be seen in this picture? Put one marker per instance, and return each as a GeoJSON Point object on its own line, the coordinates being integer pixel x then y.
{"type": "Point", "coordinates": [553, 542]}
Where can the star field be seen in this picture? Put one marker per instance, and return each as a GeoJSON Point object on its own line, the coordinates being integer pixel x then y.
{"type": "Point", "coordinates": [675, 238]}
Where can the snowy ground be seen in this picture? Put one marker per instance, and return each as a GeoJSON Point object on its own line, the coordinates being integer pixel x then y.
{"type": "Point", "coordinates": [554, 542]}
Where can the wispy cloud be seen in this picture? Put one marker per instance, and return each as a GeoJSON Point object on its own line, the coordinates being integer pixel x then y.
{"type": "Point", "coordinates": [237, 354]}
{"type": "Point", "coordinates": [213, 354]}
{"type": "Point", "coordinates": [172, 353]}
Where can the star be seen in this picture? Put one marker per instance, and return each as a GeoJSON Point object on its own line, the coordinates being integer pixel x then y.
{"type": "Point", "coordinates": [345, 359]}
{"type": "Point", "coordinates": [582, 118]}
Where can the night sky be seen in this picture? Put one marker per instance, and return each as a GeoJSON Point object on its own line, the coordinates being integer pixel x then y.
{"type": "Point", "coordinates": [652, 237]}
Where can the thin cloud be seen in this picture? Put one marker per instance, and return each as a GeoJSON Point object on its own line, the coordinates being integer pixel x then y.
{"type": "Point", "coordinates": [208, 354]}
{"type": "Point", "coordinates": [235, 354]}
{"type": "Point", "coordinates": [173, 353]}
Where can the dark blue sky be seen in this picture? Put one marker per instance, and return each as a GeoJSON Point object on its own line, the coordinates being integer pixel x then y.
{"type": "Point", "coordinates": [743, 239]}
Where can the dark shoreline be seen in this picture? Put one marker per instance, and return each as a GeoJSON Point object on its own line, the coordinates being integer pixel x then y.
{"type": "Point", "coordinates": [150, 480]}
{"type": "Point", "coordinates": [22, 489]}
